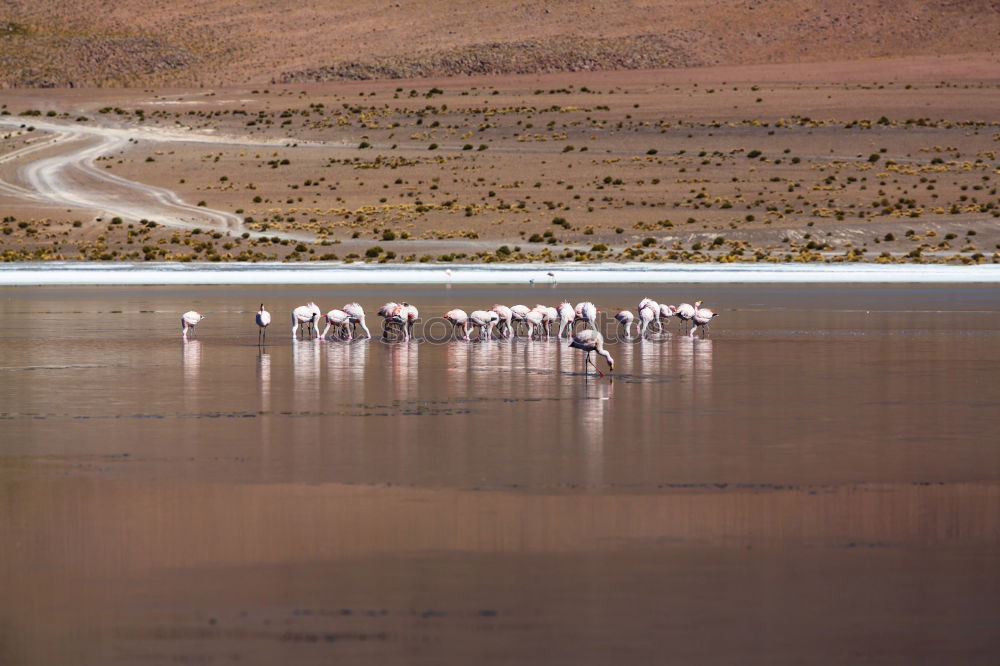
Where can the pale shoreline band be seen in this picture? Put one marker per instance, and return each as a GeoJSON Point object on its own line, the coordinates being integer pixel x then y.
{"type": "Point", "coordinates": [69, 273]}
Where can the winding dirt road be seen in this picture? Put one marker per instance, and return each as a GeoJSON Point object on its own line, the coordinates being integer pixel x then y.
{"type": "Point", "coordinates": [71, 177]}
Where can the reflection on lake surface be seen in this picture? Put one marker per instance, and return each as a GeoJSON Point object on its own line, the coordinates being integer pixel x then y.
{"type": "Point", "coordinates": [813, 481]}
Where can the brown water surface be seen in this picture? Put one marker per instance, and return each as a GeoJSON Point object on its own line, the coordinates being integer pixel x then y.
{"type": "Point", "coordinates": [816, 481]}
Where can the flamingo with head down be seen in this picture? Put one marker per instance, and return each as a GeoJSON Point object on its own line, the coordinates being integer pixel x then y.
{"type": "Point", "coordinates": [485, 320]}
{"type": "Point", "coordinates": [505, 323]}
{"type": "Point", "coordinates": [460, 320]}
{"type": "Point", "coordinates": [356, 313]}
{"type": "Point", "coordinates": [591, 341]}
{"type": "Point", "coordinates": [625, 318]}
{"type": "Point", "coordinates": [655, 307]}
{"type": "Point", "coordinates": [308, 317]}
{"type": "Point", "coordinates": [566, 316]}
{"type": "Point", "coordinates": [189, 320]}
{"type": "Point", "coordinates": [341, 320]}
{"type": "Point", "coordinates": [587, 313]}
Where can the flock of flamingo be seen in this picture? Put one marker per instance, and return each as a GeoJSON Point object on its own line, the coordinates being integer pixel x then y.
{"type": "Point", "coordinates": [500, 321]}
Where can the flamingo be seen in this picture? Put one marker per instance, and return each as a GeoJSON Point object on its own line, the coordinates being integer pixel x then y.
{"type": "Point", "coordinates": [357, 317]}
{"type": "Point", "coordinates": [535, 318]}
{"type": "Point", "coordinates": [625, 318]}
{"type": "Point", "coordinates": [591, 341]}
{"type": "Point", "coordinates": [587, 313]}
{"type": "Point", "coordinates": [655, 307]}
{"type": "Point", "coordinates": [485, 320]}
{"type": "Point", "coordinates": [566, 316]}
{"type": "Point", "coordinates": [459, 319]}
{"type": "Point", "coordinates": [518, 313]}
{"type": "Point", "coordinates": [341, 320]}
{"type": "Point", "coordinates": [409, 315]}
{"type": "Point", "coordinates": [306, 315]}
{"type": "Point", "coordinates": [647, 315]}
{"type": "Point", "coordinates": [506, 317]}
{"type": "Point", "coordinates": [387, 313]}
{"type": "Point", "coordinates": [263, 320]}
{"type": "Point", "coordinates": [549, 317]}
{"type": "Point", "coordinates": [685, 311]}
{"type": "Point", "coordinates": [189, 320]}
{"type": "Point", "coordinates": [667, 311]}
{"type": "Point", "coordinates": [552, 277]}
{"type": "Point", "coordinates": [702, 317]}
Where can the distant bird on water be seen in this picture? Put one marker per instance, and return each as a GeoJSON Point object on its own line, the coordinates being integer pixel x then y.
{"type": "Point", "coordinates": [189, 320]}
{"type": "Point", "coordinates": [263, 321]}
{"type": "Point", "coordinates": [591, 341]}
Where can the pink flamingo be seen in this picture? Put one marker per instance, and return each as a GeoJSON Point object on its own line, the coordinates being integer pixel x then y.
{"type": "Point", "coordinates": [357, 317]}
{"type": "Point", "coordinates": [534, 318]}
{"type": "Point", "coordinates": [485, 320]}
{"type": "Point", "coordinates": [647, 315]}
{"type": "Point", "coordinates": [341, 320]}
{"type": "Point", "coordinates": [189, 320]}
{"type": "Point", "coordinates": [625, 318]}
{"type": "Point", "coordinates": [566, 316]}
{"type": "Point", "coordinates": [587, 313]}
{"type": "Point", "coordinates": [460, 320]}
{"type": "Point", "coordinates": [655, 307]}
{"type": "Point", "coordinates": [519, 314]}
{"type": "Point", "coordinates": [702, 318]}
{"type": "Point", "coordinates": [308, 316]}
{"type": "Point", "coordinates": [505, 327]}
{"type": "Point", "coordinates": [685, 311]}
{"type": "Point", "coordinates": [592, 341]}
{"type": "Point", "coordinates": [263, 321]}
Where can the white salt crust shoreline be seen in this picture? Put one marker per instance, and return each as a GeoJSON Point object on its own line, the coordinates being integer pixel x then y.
{"type": "Point", "coordinates": [71, 273]}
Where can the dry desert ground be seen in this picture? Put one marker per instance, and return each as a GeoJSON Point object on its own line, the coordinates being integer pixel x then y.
{"type": "Point", "coordinates": [887, 160]}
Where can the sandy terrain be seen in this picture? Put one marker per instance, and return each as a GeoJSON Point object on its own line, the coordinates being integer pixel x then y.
{"type": "Point", "coordinates": [881, 160]}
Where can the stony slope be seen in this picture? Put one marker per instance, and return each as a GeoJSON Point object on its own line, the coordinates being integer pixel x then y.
{"type": "Point", "coordinates": [216, 42]}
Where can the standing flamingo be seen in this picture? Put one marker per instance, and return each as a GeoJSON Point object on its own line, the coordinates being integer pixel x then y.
{"type": "Point", "coordinates": [702, 318]}
{"type": "Point", "coordinates": [263, 321]}
{"type": "Point", "coordinates": [357, 316]}
{"type": "Point", "coordinates": [625, 318]}
{"type": "Point", "coordinates": [566, 316]}
{"type": "Point", "coordinates": [460, 320]}
{"type": "Point", "coordinates": [587, 313]}
{"type": "Point", "coordinates": [685, 311]}
{"type": "Point", "coordinates": [591, 341]}
{"type": "Point", "coordinates": [189, 320]}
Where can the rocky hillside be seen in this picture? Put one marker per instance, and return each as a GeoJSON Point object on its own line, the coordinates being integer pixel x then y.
{"type": "Point", "coordinates": [218, 42]}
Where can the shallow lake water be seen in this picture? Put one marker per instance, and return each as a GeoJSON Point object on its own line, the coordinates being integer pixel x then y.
{"type": "Point", "coordinates": [815, 481]}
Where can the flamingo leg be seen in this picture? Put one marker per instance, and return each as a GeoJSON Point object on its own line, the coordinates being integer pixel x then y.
{"type": "Point", "coordinates": [595, 366]}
